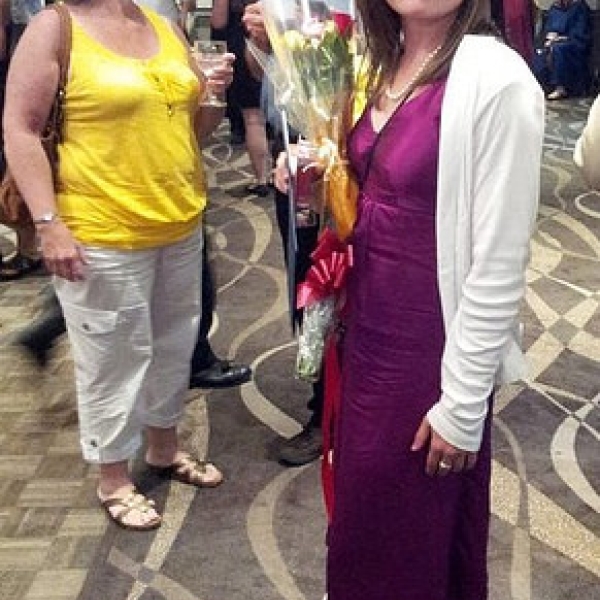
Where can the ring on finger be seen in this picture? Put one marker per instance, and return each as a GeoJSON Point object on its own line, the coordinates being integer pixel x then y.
{"type": "Point", "coordinates": [444, 465]}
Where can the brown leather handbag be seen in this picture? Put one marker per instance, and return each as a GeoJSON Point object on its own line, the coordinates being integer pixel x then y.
{"type": "Point", "coordinates": [13, 209]}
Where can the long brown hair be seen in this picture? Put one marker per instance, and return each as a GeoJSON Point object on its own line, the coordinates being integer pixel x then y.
{"type": "Point", "coordinates": [384, 46]}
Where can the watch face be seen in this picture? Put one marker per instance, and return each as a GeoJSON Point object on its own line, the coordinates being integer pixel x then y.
{"type": "Point", "coordinates": [47, 218]}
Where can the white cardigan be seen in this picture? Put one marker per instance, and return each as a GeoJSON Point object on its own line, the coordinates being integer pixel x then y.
{"type": "Point", "coordinates": [587, 149]}
{"type": "Point", "coordinates": [491, 138]}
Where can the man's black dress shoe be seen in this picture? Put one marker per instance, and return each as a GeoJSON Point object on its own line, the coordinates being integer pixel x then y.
{"type": "Point", "coordinates": [220, 374]}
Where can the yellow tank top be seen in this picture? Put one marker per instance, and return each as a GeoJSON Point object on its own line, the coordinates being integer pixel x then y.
{"type": "Point", "coordinates": [130, 172]}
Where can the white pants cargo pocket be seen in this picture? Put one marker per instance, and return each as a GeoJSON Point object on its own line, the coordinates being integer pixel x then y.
{"type": "Point", "coordinates": [111, 351]}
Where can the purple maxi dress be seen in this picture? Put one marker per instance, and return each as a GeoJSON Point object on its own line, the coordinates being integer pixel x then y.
{"type": "Point", "coordinates": [396, 533]}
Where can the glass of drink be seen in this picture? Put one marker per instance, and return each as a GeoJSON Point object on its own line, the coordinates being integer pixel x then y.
{"type": "Point", "coordinates": [209, 56]}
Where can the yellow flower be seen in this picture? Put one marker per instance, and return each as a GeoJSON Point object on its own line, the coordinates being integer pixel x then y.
{"type": "Point", "coordinates": [329, 27]}
{"type": "Point", "coordinates": [293, 40]}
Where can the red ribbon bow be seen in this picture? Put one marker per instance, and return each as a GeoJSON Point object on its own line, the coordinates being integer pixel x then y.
{"type": "Point", "coordinates": [331, 261]}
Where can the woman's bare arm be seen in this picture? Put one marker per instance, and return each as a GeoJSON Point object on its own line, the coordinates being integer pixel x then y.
{"type": "Point", "coordinates": [30, 90]}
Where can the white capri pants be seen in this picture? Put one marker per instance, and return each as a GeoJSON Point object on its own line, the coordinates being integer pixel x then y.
{"type": "Point", "coordinates": [132, 324]}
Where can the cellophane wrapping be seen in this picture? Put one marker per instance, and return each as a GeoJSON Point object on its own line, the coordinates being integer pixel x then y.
{"type": "Point", "coordinates": [317, 322]}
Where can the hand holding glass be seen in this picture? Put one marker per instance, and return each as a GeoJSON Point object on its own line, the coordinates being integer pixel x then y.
{"type": "Point", "coordinates": [210, 55]}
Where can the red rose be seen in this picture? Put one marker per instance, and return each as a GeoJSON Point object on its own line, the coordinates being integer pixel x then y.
{"type": "Point", "coordinates": [343, 22]}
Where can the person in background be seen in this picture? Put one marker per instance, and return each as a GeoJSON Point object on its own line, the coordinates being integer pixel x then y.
{"type": "Point", "coordinates": [514, 18]}
{"type": "Point", "coordinates": [587, 148]}
{"type": "Point", "coordinates": [244, 93]}
{"type": "Point", "coordinates": [21, 13]}
{"type": "Point", "coordinates": [447, 156]}
{"type": "Point", "coordinates": [561, 58]}
{"type": "Point", "coordinates": [123, 235]}
{"type": "Point", "coordinates": [38, 337]}
{"type": "Point", "coordinates": [166, 8]}
{"type": "Point", "coordinates": [175, 12]}
{"type": "Point", "coordinates": [26, 260]}
{"type": "Point", "coordinates": [307, 445]}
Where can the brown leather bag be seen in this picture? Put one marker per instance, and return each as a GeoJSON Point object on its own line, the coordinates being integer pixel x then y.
{"type": "Point", "coordinates": [13, 210]}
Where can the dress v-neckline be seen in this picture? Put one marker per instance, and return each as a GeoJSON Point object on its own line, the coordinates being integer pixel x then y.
{"type": "Point", "coordinates": [402, 105]}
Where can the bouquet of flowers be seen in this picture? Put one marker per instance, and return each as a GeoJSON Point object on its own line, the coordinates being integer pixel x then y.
{"type": "Point", "coordinates": [314, 73]}
{"type": "Point", "coordinates": [315, 46]}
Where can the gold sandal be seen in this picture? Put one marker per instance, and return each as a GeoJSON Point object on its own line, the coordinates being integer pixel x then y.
{"type": "Point", "coordinates": [190, 471]}
{"type": "Point", "coordinates": [129, 503]}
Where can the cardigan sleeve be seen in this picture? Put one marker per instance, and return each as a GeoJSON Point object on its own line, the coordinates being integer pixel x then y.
{"type": "Point", "coordinates": [506, 161]}
{"type": "Point", "coordinates": [587, 148]}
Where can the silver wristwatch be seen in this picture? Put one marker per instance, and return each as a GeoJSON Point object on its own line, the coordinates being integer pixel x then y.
{"type": "Point", "coordinates": [46, 218]}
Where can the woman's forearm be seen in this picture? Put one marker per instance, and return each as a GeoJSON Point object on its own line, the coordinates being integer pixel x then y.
{"type": "Point", "coordinates": [207, 120]}
{"type": "Point", "coordinates": [32, 171]}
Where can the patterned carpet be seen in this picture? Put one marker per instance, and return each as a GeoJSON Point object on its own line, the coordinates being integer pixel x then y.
{"type": "Point", "coordinates": [261, 534]}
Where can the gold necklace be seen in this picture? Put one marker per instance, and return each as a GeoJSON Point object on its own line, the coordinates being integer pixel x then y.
{"type": "Point", "coordinates": [395, 96]}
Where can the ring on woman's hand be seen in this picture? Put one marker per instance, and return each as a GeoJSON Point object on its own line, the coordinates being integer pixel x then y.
{"type": "Point", "coordinates": [444, 466]}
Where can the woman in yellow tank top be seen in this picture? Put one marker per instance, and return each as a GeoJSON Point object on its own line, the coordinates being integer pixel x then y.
{"type": "Point", "coordinates": [122, 233]}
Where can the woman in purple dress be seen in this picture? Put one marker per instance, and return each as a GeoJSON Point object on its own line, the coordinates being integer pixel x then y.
{"type": "Point", "coordinates": [447, 155]}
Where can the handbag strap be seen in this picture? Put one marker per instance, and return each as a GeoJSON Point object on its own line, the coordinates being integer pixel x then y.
{"type": "Point", "coordinates": [64, 51]}
{"type": "Point", "coordinates": [54, 124]}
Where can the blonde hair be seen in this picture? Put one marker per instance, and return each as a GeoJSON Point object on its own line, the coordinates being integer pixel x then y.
{"type": "Point", "coordinates": [384, 46]}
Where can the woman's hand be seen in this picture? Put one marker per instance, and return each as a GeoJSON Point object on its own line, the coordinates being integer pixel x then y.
{"type": "Point", "coordinates": [281, 173]}
{"type": "Point", "coordinates": [442, 458]}
{"type": "Point", "coordinates": [221, 76]}
{"type": "Point", "coordinates": [254, 22]}
{"type": "Point", "coordinates": [63, 256]}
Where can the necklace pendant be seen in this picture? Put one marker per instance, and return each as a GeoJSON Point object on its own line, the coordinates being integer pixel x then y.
{"type": "Point", "coordinates": [393, 96]}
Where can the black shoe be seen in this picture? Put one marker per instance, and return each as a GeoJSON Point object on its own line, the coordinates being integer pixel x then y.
{"type": "Point", "coordinates": [221, 374]}
{"type": "Point", "coordinates": [258, 189]}
{"type": "Point", "coordinates": [302, 448]}
{"type": "Point", "coordinates": [38, 338]}
{"type": "Point", "coordinates": [36, 351]}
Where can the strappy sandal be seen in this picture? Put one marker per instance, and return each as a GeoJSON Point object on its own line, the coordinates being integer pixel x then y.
{"type": "Point", "coordinates": [129, 503]}
{"type": "Point", "coordinates": [190, 471]}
